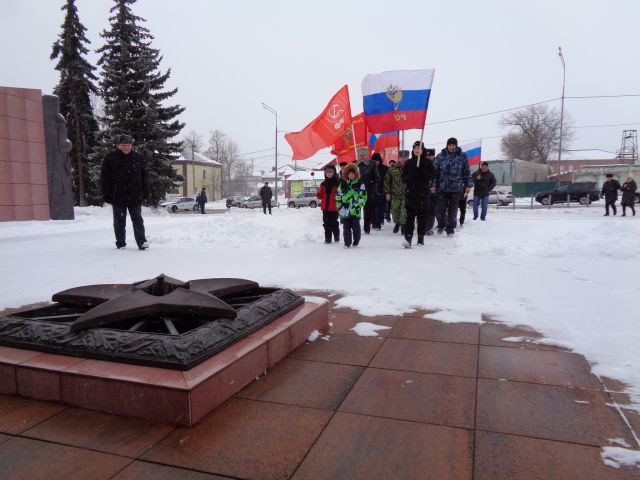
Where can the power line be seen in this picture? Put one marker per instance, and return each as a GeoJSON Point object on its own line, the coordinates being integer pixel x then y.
{"type": "Point", "coordinates": [494, 113]}
{"type": "Point", "coordinates": [608, 96]}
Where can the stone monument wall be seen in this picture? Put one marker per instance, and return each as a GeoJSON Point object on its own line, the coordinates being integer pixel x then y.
{"type": "Point", "coordinates": [24, 193]}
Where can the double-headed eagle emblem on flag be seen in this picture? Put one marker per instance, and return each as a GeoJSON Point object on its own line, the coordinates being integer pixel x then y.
{"type": "Point", "coordinates": [394, 93]}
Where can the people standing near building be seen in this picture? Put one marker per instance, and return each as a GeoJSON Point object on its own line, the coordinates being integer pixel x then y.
{"type": "Point", "coordinates": [124, 185]}
{"type": "Point", "coordinates": [483, 182]}
{"type": "Point", "coordinates": [370, 177]}
{"type": "Point", "coordinates": [417, 174]}
{"type": "Point", "coordinates": [266, 194]}
{"type": "Point", "coordinates": [629, 189]}
{"type": "Point", "coordinates": [610, 193]}
{"type": "Point", "coordinates": [394, 191]}
{"type": "Point", "coordinates": [351, 197]}
{"type": "Point", "coordinates": [327, 196]}
{"type": "Point", "coordinates": [452, 176]}
{"type": "Point", "coordinates": [202, 199]}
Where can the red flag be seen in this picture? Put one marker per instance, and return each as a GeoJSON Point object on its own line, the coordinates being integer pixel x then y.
{"type": "Point", "coordinates": [344, 147]}
{"type": "Point", "coordinates": [324, 130]}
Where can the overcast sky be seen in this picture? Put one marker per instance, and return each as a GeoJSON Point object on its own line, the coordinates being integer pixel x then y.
{"type": "Point", "coordinates": [227, 57]}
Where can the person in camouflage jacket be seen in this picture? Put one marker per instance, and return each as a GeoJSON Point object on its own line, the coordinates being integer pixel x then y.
{"type": "Point", "coordinates": [350, 198]}
{"type": "Point", "coordinates": [394, 191]}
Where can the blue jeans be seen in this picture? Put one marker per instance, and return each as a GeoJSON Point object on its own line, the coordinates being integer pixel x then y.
{"type": "Point", "coordinates": [485, 205]}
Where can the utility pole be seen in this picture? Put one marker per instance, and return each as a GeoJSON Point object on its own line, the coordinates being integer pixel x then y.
{"type": "Point", "coordinates": [561, 112]}
{"type": "Point", "coordinates": [193, 167]}
{"type": "Point", "coordinates": [267, 107]}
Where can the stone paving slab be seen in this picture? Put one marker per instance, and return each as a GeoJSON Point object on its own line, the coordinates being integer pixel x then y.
{"type": "Point", "coordinates": [425, 399]}
{"type": "Point", "coordinates": [358, 447]}
{"type": "Point", "coordinates": [125, 436]}
{"type": "Point", "coordinates": [418, 397]}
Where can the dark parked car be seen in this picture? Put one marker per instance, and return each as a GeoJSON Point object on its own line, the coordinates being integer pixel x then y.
{"type": "Point", "coordinates": [235, 201]}
{"type": "Point", "coordinates": [582, 192]}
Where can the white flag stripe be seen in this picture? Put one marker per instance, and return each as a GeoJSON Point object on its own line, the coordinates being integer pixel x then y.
{"type": "Point", "coordinates": [405, 79]}
{"type": "Point", "coordinates": [471, 145]}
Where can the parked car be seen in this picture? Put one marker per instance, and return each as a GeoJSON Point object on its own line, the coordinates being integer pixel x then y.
{"type": "Point", "coordinates": [182, 203]}
{"type": "Point", "coordinates": [235, 201]}
{"type": "Point", "coordinates": [307, 199]}
{"type": "Point", "coordinates": [582, 192]}
{"type": "Point", "coordinates": [252, 202]}
{"type": "Point", "coordinates": [496, 196]}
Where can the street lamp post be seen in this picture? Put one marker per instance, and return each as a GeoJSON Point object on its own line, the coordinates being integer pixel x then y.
{"type": "Point", "coordinates": [267, 107]}
{"type": "Point", "coordinates": [561, 112]}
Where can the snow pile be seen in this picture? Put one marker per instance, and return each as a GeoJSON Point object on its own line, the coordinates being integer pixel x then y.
{"type": "Point", "coordinates": [366, 329]}
{"type": "Point", "coordinates": [313, 336]}
{"type": "Point", "coordinates": [617, 457]}
{"type": "Point", "coordinates": [570, 274]}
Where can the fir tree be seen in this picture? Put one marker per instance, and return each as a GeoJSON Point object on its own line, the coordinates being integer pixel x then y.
{"type": "Point", "coordinates": [132, 90]}
{"type": "Point", "coordinates": [74, 90]}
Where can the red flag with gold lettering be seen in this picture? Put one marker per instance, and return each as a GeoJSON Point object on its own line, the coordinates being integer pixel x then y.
{"type": "Point", "coordinates": [344, 147]}
{"type": "Point", "coordinates": [324, 130]}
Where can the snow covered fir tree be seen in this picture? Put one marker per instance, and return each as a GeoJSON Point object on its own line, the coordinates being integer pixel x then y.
{"type": "Point", "coordinates": [74, 90]}
{"type": "Point", "coordinates": [132, 89]}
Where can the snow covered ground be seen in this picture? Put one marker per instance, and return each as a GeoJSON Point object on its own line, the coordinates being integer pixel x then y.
{"type": "Point", "coordinates": [569, 273]}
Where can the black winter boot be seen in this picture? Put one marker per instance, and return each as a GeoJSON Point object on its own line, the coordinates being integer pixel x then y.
{"type": "Point", "coordinates": [396, 229]}
{"type": "Point", "coordinates": [420, 239]}
{"type": "Point", "coordinates": [407, 241]}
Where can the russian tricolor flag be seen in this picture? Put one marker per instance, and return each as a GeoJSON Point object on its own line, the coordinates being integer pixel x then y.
{"type": "Point", "coordinates": [473, 151]}
{"type": "Point", "coordinates": [396, 100]}
{"type": "Point", "coordinates": [384, 140]}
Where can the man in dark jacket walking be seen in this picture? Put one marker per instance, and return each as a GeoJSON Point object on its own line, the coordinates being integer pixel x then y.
{"type": "Point", "coordinates": [610, 193]}
{"type": "Point", "coordinates": [370, 177]}
{"type": "Point", "coordinates": [417, 177]}
{"type": "Point", "coordinates": [124, 185]}
{"type": "Point", "coordinates": [483, 182]}
{"type": "Point", "coordinates": [266, 194]}
{"type": "Point", "coordinates": [202, 199]}
{"type": "Point", "coordinates": [452, 176]}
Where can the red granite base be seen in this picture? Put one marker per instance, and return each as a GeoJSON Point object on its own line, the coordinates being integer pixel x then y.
{"type": "Point", "coordinates": [182, 398]}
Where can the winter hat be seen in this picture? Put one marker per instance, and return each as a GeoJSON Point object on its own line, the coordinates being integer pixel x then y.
{"type": "Point", "coordinates": [453, 141]}
{"type": "Point", "coordinates": [330, 167]}
{"type": "Point", "coordinates": [377, 157]}
{"type": "Point", "coordinates": [362, 151]}
{"type": "Point", "coordinates": [351, 167]}
{"type": "Point", "coordinates": [123, 140]}
{"type": "Point", "coordinates": [609, 175]}
{"type": "Point", "coordinates": [418, 143]}
{"type": "Point", "coordinates": [404, 153]}
{"type": "Point", "coordinates": [483, 164]}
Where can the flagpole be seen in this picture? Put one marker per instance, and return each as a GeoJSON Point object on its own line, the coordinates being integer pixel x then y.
{"type": "Point", "coordinates": [355, 142]}
{"type": "Point", "coordinates": [402, 139]}
{"type": "Point", "coordinates": [426, 105]}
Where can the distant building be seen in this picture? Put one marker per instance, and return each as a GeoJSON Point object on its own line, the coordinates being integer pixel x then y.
{"type": "Point", "coordinates": [301, 182]}
{"type": "Point", "coordinates": [570, 167]}
{"type": "Point", "coordinates": [510, 171]}
{"type": "Point", "coordinates": [198, 172]}
{"type": "Point", "coordinates": [597, 173]}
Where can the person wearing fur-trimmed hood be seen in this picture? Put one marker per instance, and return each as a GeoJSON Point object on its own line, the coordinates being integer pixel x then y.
{"type": "Point", "coordinates": [350, 198]}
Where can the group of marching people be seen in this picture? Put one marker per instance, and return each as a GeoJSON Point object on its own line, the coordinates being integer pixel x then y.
{"type": "Point", "coordinates": [419, 188]}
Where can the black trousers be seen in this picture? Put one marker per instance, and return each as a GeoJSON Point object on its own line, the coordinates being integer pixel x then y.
{"type": "Point", "coordinates": [462, 206]}
{"type": "Point", "coordinates": [419, 214]}
{"type": "Point", "coordinates": [266, 205]}
{"type": "Point", "coordinates": [368, 211]}
{"type": "Point", "coordinates": [431, 211]}
{"type": "Point", "coordinates": [351, 231]}
{"type": "Point", "coordinates": [610, 202]}
{"type": "Point", "coordinates": [378, 211]}
{"type": "Point", "coordinates": [202, 208]}
{"type": "Point", "coordinates": [120, 223]}
{"type": "Point", "coordinates": [631, 206]}
{"type": "Point", "coordinates": [448, 209]}
{"type": "Point", "coordinates": [331, 226]}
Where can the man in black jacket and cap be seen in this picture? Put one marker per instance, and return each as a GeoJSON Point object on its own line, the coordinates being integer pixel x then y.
{"type": "Point", "coordinates": [266, 194]}
{"type": "Point", "coordinates": [124, 185]}
{"type": "Point", "coordinates": [610, 193]}
{"type": "Point", "coordinates": [417, 174]}
{"type": "Point", "coordinates": [370, 177]}
{"type": "Point", "coordinates": [483, 182]}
